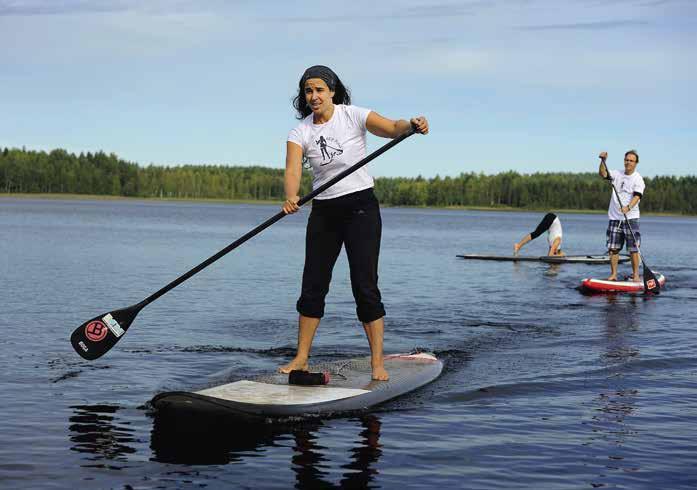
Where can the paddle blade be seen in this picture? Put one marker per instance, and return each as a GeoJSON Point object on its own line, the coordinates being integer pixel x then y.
{"type": "Point", "coordinates": [95, 337]}
{"type": "Point", "coordinates": [651, 284]}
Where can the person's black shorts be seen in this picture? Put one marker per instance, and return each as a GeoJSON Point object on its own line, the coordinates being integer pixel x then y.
{"type": "Point", "coordinates": [353, 221]}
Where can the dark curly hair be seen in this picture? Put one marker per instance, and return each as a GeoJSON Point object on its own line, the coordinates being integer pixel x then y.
{"type": "Point", "coordinates": [342, 95]}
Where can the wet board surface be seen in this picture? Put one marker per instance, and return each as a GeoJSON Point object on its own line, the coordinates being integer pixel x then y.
{"type": "Point", "coordinates": [567, 259]}
{"type": "Point", "coordinates": [350, 388]}
{"type": "Point", "coordinates": [602, 285]}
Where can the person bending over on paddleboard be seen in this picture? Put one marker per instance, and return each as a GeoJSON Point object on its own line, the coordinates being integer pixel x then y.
{"type": "Point", "coordinates": [331, 137]}
{"type": "Point", "coordinates": [630, 186]}
{"type": "Point", "coordinates": [551, 224]}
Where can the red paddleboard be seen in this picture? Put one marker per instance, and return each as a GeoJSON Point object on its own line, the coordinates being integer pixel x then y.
{"type": "Point", "coordinates": [602, 285]}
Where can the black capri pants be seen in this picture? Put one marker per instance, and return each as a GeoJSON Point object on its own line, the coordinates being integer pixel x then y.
{"type": "Point", "coordinates": [543, 226]}
{"type": "Point", "coordinates": [353, 221]}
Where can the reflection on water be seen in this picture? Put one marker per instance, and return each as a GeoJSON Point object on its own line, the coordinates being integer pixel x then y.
{"type": "Point", "coordinates": [612, 422]}
{"type": "Point", "coordinates": [621, 319]}
{"type": "Point", "coordinates": [309, 458]}
{"type": "Point", "coordinates": [94, 430]}
{"type": "Point", "coordinates": [218, 440]}
{"type": "Point", "coordinates": [552, 270]}
{"type": "Point", "coordinates": [365, 456]}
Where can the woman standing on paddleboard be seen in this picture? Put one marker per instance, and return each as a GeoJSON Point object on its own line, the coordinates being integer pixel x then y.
{"type": "Point", "coordinates": [331, 137]}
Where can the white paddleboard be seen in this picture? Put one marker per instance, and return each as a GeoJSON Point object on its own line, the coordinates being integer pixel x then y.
{"type": "Point", "coordinates": [552, 259]}
{"type": "Point", "coordinates": [350, 388]}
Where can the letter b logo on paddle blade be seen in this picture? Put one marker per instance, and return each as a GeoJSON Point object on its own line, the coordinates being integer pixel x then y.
{"type": "Point", "coordinates": [96, 331]}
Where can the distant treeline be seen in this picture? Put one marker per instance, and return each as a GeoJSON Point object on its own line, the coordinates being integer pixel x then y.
{"type": "Point", "coordinates": [25, 171]}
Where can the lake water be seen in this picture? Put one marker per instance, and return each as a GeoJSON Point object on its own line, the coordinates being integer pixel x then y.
{"type": "Point", "coordinates": [543, 387]}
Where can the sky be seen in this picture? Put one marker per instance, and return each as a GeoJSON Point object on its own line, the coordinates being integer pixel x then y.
{"type": "Point", "coordinates": [524, 85]}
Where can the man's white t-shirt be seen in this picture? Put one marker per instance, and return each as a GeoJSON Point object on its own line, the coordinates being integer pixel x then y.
{"type": "Point", "coordinates": [626, 186]}
{"type": "Point", "coordinates": [334, 146]}
{"type": "Point", "coordinates": [554, 231]}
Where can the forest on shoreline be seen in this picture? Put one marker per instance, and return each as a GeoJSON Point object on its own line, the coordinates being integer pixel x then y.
{"type": "Point", "coordinates": [25, 171]}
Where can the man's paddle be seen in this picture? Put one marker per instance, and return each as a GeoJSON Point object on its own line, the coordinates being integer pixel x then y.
{"type": "Point", "coordinates": [95, 337]}
{"type": "Point", "coordinates": [651, 284]}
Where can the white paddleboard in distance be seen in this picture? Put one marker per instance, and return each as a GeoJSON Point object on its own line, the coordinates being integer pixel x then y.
{"type": "Point", "coordinates": [605, 286]}
{"type": "Point", "coordinates": [551, 259]}
{"type": "Point", "coordinates": [350, 388]}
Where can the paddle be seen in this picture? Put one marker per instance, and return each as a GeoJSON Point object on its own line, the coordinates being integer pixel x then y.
{"type": "Point", "coordinates": [651, 284]}
{"type": "Point", "coordinates": [96, 336]}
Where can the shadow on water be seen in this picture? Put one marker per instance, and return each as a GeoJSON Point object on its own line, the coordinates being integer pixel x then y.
{"type": "Point", "coordinates": [106, 442]}
{"type": "Point", "coordinates": [222, 440]}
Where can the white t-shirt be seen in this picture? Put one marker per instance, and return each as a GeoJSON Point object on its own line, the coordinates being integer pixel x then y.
{"type": "Point", "coordinates": [333, 147]}
{"type": "Point", "coordinates": [554, 231]}
{"type": "Point", "coordinates": [626, 186]}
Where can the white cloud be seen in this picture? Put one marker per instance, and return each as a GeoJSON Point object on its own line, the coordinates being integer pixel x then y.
{"type": "Point", "coordinates": [78, 7]}
{"type": "Point", "coordinates": [555, 64]}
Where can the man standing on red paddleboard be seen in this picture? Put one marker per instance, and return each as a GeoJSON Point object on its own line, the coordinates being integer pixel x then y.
{"type": "Point", "coordinates": [630, 187]}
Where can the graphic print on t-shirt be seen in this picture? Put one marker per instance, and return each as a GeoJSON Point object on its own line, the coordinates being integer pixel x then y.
{"type": "Point", "coordinates": [622, 186]}
{"type": "Point", "coordinates": [329, 147]}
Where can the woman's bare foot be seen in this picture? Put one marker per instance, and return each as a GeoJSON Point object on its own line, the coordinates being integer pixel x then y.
{"type": "Point", "coordinates": [295, 364]}
{"type": "Point", "coordinates": [612, 278]}
{"type": "Point", "coordinates": [379, 374]}
{"type": "Point", "coordinates": [636, 279]}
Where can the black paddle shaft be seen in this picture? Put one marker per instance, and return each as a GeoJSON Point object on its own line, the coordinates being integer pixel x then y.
{"type": "Point", "coordinates": [275, 218]}
{"type": "Point", "coordinates": [653, 285]}
{"type": "Point", "coordinates": [95, 337]}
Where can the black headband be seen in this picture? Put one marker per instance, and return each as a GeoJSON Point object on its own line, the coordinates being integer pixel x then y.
{"type": "Point", "coordinates": [322, 72]}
